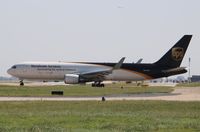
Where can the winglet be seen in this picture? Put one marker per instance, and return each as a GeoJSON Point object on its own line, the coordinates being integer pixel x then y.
{"type": "Point", "coordinates": [139, 61]}
{"type": "Point", "coordinates": [119, 64]}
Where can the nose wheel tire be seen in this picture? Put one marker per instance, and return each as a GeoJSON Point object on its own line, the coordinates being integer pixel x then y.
{"type": "Point", "coordinates": [21, 83]}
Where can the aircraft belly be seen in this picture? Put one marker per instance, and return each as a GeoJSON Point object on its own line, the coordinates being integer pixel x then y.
{"type": "Point", "coordinates": [124, 75]}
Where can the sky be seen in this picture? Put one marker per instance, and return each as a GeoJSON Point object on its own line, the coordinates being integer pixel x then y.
{"type": "Point", "coordinates": [96, 30]}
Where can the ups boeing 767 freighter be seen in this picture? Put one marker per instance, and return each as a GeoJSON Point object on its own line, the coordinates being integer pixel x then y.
{"type": "Point", "coordinates": [82, 72]}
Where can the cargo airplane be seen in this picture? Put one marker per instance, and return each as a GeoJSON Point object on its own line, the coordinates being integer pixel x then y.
{"type": "Point", "coordinates": [82, 72]}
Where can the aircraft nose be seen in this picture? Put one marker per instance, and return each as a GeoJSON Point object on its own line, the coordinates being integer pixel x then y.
{"type": "Point", "coordinates": [9, 71]}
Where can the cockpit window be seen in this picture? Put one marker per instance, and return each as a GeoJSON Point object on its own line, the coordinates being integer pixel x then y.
{"type": "Point", "coordinates": [14, 67]}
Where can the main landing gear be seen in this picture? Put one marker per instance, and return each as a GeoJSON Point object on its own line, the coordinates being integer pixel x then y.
{"type": "Point", "coordinates": [21, 83]}
{"type": "Point", "coordinates": [98, 84]}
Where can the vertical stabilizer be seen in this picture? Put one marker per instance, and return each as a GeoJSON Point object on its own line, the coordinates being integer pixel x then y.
{"type": "Point", "coordinates": [175, 55]}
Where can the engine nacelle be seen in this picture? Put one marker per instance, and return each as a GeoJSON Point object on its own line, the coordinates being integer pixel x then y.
{"type": "Point", "coordinates": [71, 79]}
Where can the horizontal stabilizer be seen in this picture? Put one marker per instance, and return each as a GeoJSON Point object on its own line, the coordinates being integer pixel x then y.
{"type": "Point", "coordinates": [174, 70]}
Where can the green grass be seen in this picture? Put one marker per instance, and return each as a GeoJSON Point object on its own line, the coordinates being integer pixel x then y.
{"type": "Point", "coordinates": [79, 90]}
{"type": "Point", "coordinates": [197, 84]}
{"type": "Point", "coordinates": [94, 116]}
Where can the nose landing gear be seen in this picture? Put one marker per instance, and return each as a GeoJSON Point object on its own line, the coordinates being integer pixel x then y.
{"type": "Point", "coordinates": [21, 83]}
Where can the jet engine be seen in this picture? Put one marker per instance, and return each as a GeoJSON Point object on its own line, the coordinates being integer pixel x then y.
{"type": "Point", "coordinates": [72, 79]}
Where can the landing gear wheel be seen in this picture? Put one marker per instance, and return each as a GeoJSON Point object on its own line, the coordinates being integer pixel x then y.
{"type": "Point", "coordinates": [93, 85]}
{"type": "Point", "coordinates": [98, 84]}
{"type": "Point", "coordinates": [102, 85]}
{"type": "Point", "coordinates": [21, 83]}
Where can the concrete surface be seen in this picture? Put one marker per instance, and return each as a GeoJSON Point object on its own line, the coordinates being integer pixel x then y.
{"type": "Point", "coordinates": [179, 94]}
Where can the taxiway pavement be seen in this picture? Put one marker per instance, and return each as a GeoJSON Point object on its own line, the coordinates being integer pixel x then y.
{"type": "Point", "coordinates": [179, 94]}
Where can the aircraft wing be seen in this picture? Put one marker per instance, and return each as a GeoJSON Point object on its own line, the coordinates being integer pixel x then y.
{"type": "Point", "coordinates": [139, 61]}
{"type": "Point", "coordinates": [95, 75]}
{"type": "Point", "coordinates": [99, 75]}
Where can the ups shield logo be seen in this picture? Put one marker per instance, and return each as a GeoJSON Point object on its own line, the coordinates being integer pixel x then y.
{"type": "Point", "coordinates": [177, 53]}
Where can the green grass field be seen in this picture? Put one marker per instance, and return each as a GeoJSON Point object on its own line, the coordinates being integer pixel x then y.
{"type": "Point", "coordinates": [80, 90]}
{"type": "Point", "coordinates": [95, 116]}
